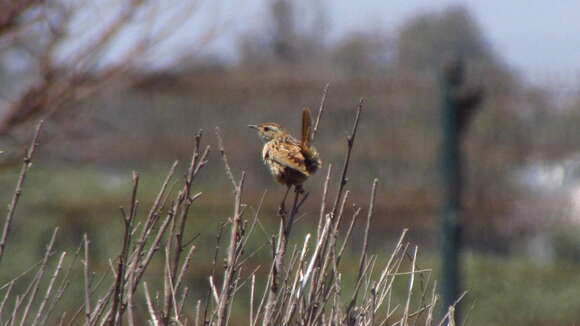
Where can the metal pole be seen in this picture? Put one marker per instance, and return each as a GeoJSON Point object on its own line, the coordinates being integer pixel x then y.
{"type": "Point", "coordinates": [457, 107]}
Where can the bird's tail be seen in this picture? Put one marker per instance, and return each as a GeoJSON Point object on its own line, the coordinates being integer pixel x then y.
{"type": "Point", "coordinates": [306, 128]}
{"type": "Point", "coordinates": [311, 157]}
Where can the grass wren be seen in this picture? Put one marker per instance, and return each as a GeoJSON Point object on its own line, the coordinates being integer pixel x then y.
{"type": "Point", "coordinates": [290, 161]}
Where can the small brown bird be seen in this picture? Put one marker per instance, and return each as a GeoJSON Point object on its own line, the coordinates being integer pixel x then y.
{"type": "Point", "coordinates": [290, 161]}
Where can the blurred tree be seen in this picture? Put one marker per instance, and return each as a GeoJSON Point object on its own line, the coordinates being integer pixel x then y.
{"type": "Point", "coordinates": [284, 31]}
{"type": "Point", "coordinates": [295, 35]}
{"type": "Point", "coordinates": [500, 140]}
{"type": "Point", "coordinates": [56, 52]}
{"type": "Point", "coordinates": [362, 54]}
{"type": "Point", "coordinates": [427, 41]}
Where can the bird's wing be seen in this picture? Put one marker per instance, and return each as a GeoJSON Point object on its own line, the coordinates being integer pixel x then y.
{"type": "Point", "coordinates": [287, 153]}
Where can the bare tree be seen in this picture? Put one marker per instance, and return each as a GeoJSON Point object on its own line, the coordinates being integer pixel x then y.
{"type": "Point", "coordinates": [54, 52]}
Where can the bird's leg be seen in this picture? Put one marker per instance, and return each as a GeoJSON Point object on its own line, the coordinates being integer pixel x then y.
{"type": "Point", "coordinates": [299, 189]}
{"type": "Point", "coordinates": [282, 209]}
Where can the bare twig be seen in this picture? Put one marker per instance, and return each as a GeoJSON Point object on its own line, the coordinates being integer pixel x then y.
{"type": "Point", "coordinates": [225, 158]}
{"type": "Point", "coordinates": [320, 111]}
{"type": "Point", "coordinates": [38, 278]}
{"type": "Point", "coordinates": [152, 311]}
{"type": "Point", "coordinates": [350, 143]}
{"type": "Point", "coordinates": [184, 202]}
{"type": "Point", "coordinates": [116, 308]}
{"type": "Point", "coordinates": [410, 293]}
{"type": "Point", "coordinates": [6, 296]}
{"type": "Point", "coordinates": [323, 200]}
{"type": "Point", "coordinates": [139, 264]}
{"type": "Point", "coordinates": [130, 299]}
{"type": "Point", "coordinates": [18, 191]}
{"type": "Point", "coordinates": [235, 245]}
{"type": "Point", "coordinates": [57, 270]}
{"type": "Point", "coordinates": [365, 248]}
{"type": "Point", "coordinates": [65, 281]}
{"type": "Point", "coordinates": [287, 220]}
{"type": "Point", "coordinates": [87, 281]}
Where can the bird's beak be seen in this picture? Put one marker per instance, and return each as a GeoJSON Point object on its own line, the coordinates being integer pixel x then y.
{"type": "Point", "coordinates": [253, 127]}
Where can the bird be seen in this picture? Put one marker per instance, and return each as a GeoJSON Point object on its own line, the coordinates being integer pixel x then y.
{"type": "Point", "coordinates": [290, 161]}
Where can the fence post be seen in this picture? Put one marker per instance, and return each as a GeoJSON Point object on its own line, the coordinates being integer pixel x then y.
{"type": "Point", "coordinates": [457, 107]}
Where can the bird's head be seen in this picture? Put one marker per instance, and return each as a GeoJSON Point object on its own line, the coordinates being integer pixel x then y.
{"type": "Point", "coordinates": [268, 131]}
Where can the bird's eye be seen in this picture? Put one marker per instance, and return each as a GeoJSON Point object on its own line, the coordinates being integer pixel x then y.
{"type": "Point", "coordinates": [267, 129]}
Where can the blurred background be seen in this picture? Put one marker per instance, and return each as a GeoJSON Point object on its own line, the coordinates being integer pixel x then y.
{"type": "Point", "coordinates": [124, 85]}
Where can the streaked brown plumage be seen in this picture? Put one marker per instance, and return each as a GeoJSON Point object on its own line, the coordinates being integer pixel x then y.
{"type": "Point", "coordinates": [290, 161]}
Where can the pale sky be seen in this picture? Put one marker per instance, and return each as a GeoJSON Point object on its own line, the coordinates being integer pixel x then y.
{"type": "Point", "coordinates": [539, 38]}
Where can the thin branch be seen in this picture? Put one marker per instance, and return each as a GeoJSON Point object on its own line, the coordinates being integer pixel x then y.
{"type": "Point", "coordinates": [18, 191]}
{"type": "Point", "coordinates": [363, 258]}
{"type": "Point", "coordinates": [38, 278]}
{"type": "Point", "coordinates": [138, 264]}
{"type": "Point", "coordinates": [152, 312]}
{"type": "Point", "coordinates": [236, 240]}
{"type": "Point", "coordinates": [64, 283]}
{"type": "Point", "coordinates": [87, 281]}
{"type": "Point", "coordinates": [320, 111]}
{"type": "Point", "coordinates": [116, 308]}
{"type": "Point", "coordinates": [6, 296]}
{"type": "Point", "coordinates": [323, 200]}
{"type": "Point", "coordinates": [404, 320]}
{"type": "Point", "coordinates": [350, 143]}
{"type": "Point", "coordinates": [225, 158]}
{"type": "Point", "coordinates": [57, 270]}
